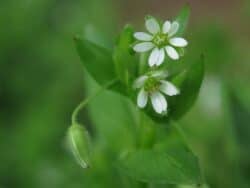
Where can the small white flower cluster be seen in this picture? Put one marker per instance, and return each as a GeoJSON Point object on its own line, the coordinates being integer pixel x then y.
{"type": "Point", "coordinates": [162, 41]}
{"type": "Point", "coordinates": [153, 86]}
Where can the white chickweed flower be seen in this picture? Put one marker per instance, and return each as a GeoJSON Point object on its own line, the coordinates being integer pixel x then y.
{"type": "Point", "coordinates": [159, 40]}
{"type": "Point", "coordinates": [154, 86]}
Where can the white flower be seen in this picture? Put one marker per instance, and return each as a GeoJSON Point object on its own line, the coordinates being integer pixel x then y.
{"type": "Point", "coordinates": [154, 86]}
{"type": "Point", "coordinates": [160, 41]}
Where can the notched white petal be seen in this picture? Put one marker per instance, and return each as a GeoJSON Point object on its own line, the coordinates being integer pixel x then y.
{"type": "Point", "coordinates": [168, 88]}
{"type": "Point", "coordinates": [142, 99]}
{"type": "Point", "coordinates": [153, 57]}
{"type": "Point", "coordinates": [143, 36]}
{"type": "Point", "coordinates": [156, 103]}
{"type": "Point", "coordinates": [143, 47]}
{"type": "Point", "coordinates": [174, 28]}
{"type": "Point", "coordinates": [152, 25]}
{"type": "Point", "coordinates": [156, 57]}
{"type": "Point", "coordinates": [166, 27]}
{"type": "Point", "coordinates": [139, 82]}
{"type": "Point", "coordinates": [178, 42]}
{"type": "Point", "coordinates": [159, 102]}
{"type": "Point", "coordinates": [172, 53]}
{"type": "Point", "coordinates": [163, 102]}
{"type": "Point", "coordinates": [161, 57]}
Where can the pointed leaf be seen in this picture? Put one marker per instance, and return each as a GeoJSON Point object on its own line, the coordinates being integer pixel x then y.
{"type": "Point", "coordinates": [124, 61]}
{"type": "Point", "coordinates": [182, 19]}
{"type": "Point", "coordinates": [97, 60]}
{"type": "Point", "coordinates": [189, 83]}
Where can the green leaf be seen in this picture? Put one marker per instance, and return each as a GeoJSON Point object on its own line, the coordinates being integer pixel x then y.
{"type": "Point", "coordinates": [170, 162]}
{"type": "Point", "coordinates": [182, 19]}
{"type": "Point", "coordinates": [124, 61]}
{"type": "Point", "coordinates": [177, 167]}
{"type": "Point", "coordinates": [97, 60]}
{"type": "Point", "coordinates": [241, 117]}
{"type": "Point", "coordinates": [189, 83]}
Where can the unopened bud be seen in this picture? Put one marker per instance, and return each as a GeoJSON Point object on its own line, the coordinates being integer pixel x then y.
{"type": "Point", "coordinates": [79, 142]}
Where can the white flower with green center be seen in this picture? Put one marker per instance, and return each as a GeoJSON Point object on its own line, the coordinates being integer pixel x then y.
{"type": "Point", "coordinates": [154, 86]}
{"type": "Point", "coordinates": [160, 41]}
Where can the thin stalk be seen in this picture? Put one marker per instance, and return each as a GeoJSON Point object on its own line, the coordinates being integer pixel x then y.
{"type": "Point", "coordinates": [86, 101]}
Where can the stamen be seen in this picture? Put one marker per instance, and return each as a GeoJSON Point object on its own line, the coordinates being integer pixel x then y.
{"type": "Point", "coordinates": [160, 40]}
{"type": "Point", "coordinates": [151, 85]}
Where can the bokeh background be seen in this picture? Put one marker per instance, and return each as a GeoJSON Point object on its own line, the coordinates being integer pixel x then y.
{"type": "Point", "coordinates": [42, 80]}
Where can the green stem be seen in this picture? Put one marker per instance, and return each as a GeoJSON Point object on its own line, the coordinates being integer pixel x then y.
{"type": "Point", "coordinates": [145, 132]}
{"type": "Point", "coordinates": [142, 62]}
{"type": "Point", "coordinates": [145, 139]}
{"type": "Point", "coordinates": [86, 101]}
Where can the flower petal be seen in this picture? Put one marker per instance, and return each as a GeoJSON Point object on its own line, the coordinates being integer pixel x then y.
{"type": "Point", "coordinates": [152, 25]}
{"type": "Point", "coordinates": [161, 57]}
{"type": "Point", "coordinates": [168, 88]}
{"type": "Point", "coordinates": [142, 99]}
{"type": "Point", "coordinates": [143, 47]}
{"type": "Point", "coordinates": [139, 82]}
{"type": "Point", "coordinates": [156, 103]}
{"type": "Point", "coordinates": [143, 36]}
{"type": "Point", "coordinates": [174, 28]}
{"type": "Point", "coordinates": [172, 53]}
{"type": "Point", "coordinates": [163, 102]}
{"type": "Point", "coordinates": [178, 42]}
{"type": "Point", "coordinates": [156, 57]}
{"type": "Point", "coordinates": [166, 27]}
{"type": "Point", "coordinates": [159, 102]}
{"type": "Point", "coordinates": [153, 58]}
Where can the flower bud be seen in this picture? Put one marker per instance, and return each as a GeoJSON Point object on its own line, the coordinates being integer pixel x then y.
{"type": "Point", "coordinates": [79, 143]}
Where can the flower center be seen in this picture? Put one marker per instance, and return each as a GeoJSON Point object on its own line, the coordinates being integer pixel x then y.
{"type": "Point", "coordinates": [151, 85]}
{"type": "Point", "coordinates": [160, 40]}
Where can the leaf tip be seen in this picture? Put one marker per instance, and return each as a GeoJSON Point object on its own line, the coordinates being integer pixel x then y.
{"type": "Point", "coordinates": [186, 6]}
{"type": "Point", "coordinates": [128, 27]}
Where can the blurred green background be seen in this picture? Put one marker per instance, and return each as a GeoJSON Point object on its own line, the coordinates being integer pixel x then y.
{"type": "Point", "coordinates": [42, 80]}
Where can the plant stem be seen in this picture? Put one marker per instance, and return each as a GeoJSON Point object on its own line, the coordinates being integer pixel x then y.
{"type": "Point", "coordinates": [86, 101]}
